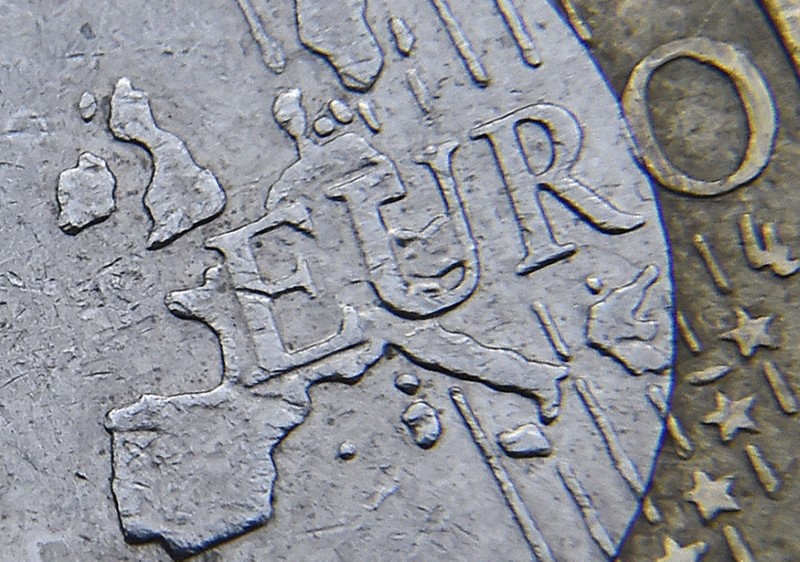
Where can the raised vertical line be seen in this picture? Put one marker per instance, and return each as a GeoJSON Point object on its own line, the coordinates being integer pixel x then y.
{"type": "Point", "coordinates": [530, 530]}
{"type": "Point", "coordinates": [462, 44]}
{"type": "Point", "coordinates": [622, 462]}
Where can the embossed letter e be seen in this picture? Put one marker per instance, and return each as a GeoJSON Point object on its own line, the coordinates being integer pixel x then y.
{"type": "Point", "coordinates": [566, 137]}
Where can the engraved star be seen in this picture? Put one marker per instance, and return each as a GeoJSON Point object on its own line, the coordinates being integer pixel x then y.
{"type": "Point", "coordinates": [711, 496]}
{"type": "Point", "coordinates": [751, 333]}
{"type": "Point", "coordinates": [731, 415]}
{"type": "Point", "coordinates": [674, 552]}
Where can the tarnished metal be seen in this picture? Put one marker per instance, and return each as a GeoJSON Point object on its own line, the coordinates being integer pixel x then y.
{"type": "Point", "coordinates": [443, 262]}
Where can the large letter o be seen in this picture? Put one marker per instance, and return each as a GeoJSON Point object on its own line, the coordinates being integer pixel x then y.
{"type": "Point", "coordinates": [758, 104]}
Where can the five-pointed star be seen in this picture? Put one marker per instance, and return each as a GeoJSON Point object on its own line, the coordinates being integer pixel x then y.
{"type": "Point", "coordinates": [731, 415]}
{"type": "Point", "coordinates": [711, 496]}
{"type": "Point", "coordinates": [674, 552]}
{"type": "Point", "coordinates": [751, 333]}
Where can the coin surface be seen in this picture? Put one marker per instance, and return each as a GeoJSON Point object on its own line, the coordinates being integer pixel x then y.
{"type": "Point", "coordinates": [317, 281]}
{"type": "Point", "coordinates": [726, 486]}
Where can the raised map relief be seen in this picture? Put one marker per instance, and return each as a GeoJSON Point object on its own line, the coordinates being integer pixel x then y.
{"type": "Point", "coordinates": [441, 202]}
{"type": "Point", "coordinates": [420, 280]}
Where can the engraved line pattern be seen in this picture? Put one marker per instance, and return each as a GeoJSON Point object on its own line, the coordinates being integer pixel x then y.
{"type": "Point", "coordinates": [679, 435]}
{"type": "Point", "coordinates": [530, 530]}
{"type": "Point", "coordinates": [763, 250]}
{"type": "Point", "coordinates": [236, 300]}
{"type": "Point", "coordinates": [706, 376]}
{"type": "Point", "coordinates": [588, 510]}
{"type": "Point", "coordinates": [780, 388]}
{"type": "Point", "coordinates": [576, 21]}
{"type": "Point", "coordinates": [421, 94]}
{"type": "Point", "coordinates": [688, 334]}
{"type": "Point", "coordinates": [622, 461]}
{"type": "Point", "coordinates": [367, 112]}
{"type": "Point", "coordinates": [551, 329]}
{"type": "Point", "coordinates": [739, 549]}
{"type": "Point", "coordinates": [272, 52]}
{"type": "Point", "coordinates": [527, 46]}
{"type": "Point", "coordinates": [651, 511]}
{"type": "Point", "coordinates": [462, 44]}
{"type": "Point", "coordinates": [784, 14]}
{"type": "Point", "coordinates": [772, 253]}
{"type": "Point", "coordinates": [674, 427]}
{"type": "Point", "coordinates": [712, 264]}
{"type": "Point", "coordinates": [765, 473]}
{"type": "Point", "coordinates": [485, 444]}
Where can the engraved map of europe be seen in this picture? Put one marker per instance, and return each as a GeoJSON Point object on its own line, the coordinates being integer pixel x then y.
{"type": "Point", "coordinates": [427, 287]}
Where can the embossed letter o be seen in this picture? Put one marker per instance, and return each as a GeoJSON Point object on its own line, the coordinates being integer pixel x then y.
{"type": "Point", "coordinates": [756, 98]}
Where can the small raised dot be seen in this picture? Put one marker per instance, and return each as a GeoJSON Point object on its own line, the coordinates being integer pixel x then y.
{"type": "Point", "coordinates": [324, 126]}
{"type": "Point", "coordinates": [423, 422]}
{"type": "Point", "coordinates": [594, 284]}
{"type": "Point", "coordinates": [341, 112]}
{"type": "Point", "coordinates": [88, 106]}
{"type": "Point", "coordinates": [407, 383]}
{"type": "Point", "coordinates": [347, 451]}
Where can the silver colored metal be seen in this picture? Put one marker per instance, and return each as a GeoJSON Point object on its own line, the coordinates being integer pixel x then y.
{"type": "Point", "coordinates": [234, 330]}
